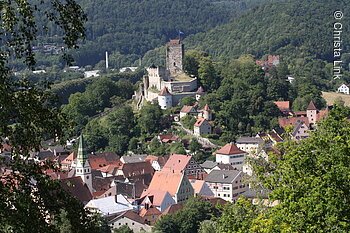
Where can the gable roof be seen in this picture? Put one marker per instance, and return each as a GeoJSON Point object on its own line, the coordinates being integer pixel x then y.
{"type": "Point", "coordinates": [166, 181]}
{"type": "Point", "coordinates": [200, 121]}
{"type": "Point", "coordinates": [156, 196]}
{"type": "Point", "coordinates": [208, 164]}
{"type": "Point", "coordinates": [222, 176]}
{"type": "Point", "coordinates": [187, 109]}
{"type": "Point", "coordinates": [76, 187]}
{"type": "Point", "coordinates": [284, 121]}
{"type": "Point", "coordinates": [130, 215]}
{"type": "Point", "coordinates": [133, 158]}
{"type": "Point", "coordinates": [230, 149]}
{"type": "Point", "coordinates": [311, 106]}
{"type": "Point", "coordinates": [134, 169]}
{"type": "Point", "coordinates": [283, 105]}
{"type": "Point", "coordinates": [247, 140]}
{"type": "Point", "coordinates": [109, 205]}
{"type": "Point", "coordinates": [297, 126]}
{"type": "Point", "coordinates": [177, 162]}
{"type": "Point", "coordinates": [173, 209]}
{"type": "Point", "coordinates": [164, 92]}
{"type": "Point", "coordinates": [150, 211]}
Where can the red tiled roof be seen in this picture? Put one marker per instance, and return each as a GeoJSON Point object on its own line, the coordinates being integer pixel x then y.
{"type": "Point", "coordinates": [322, 114]}
{"type": "Point", "coordinates": [164, 92]}
{"type": "Point", "coordinates": [229, 149]}
{"type": "Point", "coordinates": [283, 105]}
{"type": "Point", "coordinates": [166, 181]}
{"type": "Point", "coordinates": [151, 211]}
{"type": "Point", "coordinates": [200, 121]}
{"type": "Point", "coordinates": [300, 113]}
{"type": "Point", "coordinates": [77, 188]}
{"type": "Point", "coordinates": [311, 106]}
{"type": "Point", "coordinates": [177, 162]}
{"type": "Point", "coordinates": [186, 109]}
{"type": "Point", "coordinates": [284, 121]}
{"type": "Point", "coordinates": [134, 169]}
{"type": "Point", "coordinates": [173, 209]}
{"type": "Point", "coordinates": [168, 138]}
{"type": "Point", "coordinates": [70, 158]}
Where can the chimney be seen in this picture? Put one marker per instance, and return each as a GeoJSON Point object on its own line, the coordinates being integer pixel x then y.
{"type": "Point", "coordinates": [106, 60]}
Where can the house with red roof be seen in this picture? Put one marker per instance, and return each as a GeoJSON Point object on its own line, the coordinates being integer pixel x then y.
{"type": "Point", "coordinates": [201, 127]}
{"type": "Point", "coordinates": [284, 107]}
{"type": "Point", "coordinates": [131, 219]}
{"type": "Point", "coordinates": [184, 164]}
{"type": "Point", "coordinates": [231, 154]}
{"type": "Point", "coordinates": [174, 182]}
{"type": "Point", "coordinates": [157, 198]}
{"type": "Point", "coordinates": [150, 215]}
{"type": "Point", "coordinates": [188, 110]}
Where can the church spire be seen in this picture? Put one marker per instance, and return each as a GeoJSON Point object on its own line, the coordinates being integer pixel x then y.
{"type": "Point", "coordinates": [82, 155]}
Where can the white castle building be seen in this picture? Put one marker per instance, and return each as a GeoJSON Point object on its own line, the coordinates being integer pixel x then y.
{"type": "Point", "coordinates": [169, 85]}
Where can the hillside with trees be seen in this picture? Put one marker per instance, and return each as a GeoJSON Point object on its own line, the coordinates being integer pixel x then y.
{"type": "Point", "coordinates": [128, 29]}
{"type": "Point", "coordinates": [293, 29]}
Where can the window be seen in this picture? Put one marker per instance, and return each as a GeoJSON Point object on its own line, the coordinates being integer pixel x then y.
{"type": "Point", "coordinates": [219, 195]}
{"type": "Point", "coordinates": [87, 177]}
{"type": "Point", "coordinates": [120, 224]}
{"type": "Point", "coordinates": [224, 195]}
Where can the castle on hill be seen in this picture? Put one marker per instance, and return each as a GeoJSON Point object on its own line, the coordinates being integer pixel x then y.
{"type": "Point", "coordinates": [169, 85]}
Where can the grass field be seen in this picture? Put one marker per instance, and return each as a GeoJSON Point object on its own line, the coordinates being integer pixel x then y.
{"type": "Point", "coordinates": [331, 96]}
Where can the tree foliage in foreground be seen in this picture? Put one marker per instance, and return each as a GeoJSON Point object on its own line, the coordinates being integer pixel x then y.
{"type": "Point", "coordinates": [29, 200]}
{"type": "Point", "coordinates": [310, 180]}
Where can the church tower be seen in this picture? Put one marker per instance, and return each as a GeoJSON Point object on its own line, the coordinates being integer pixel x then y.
{"type": "Point", "coordinates": [174, 56]}
{"type": "Point", "coordinates": [83, 168]}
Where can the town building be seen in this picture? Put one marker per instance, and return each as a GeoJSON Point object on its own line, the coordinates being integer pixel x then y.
{"type": "Point", "coordinates": [231, 154]}
{"type": "Point", "coordinates": [227, 185]}
{"type": "Point", "coordinates": [202, 127]}
{"type": "Point", "coordinates": [130, 219]}
{"type": "Point", "coordinates": [251, 145]}
{"type": "Point", "coordinates": [174, 182]}
{"type": "Point", "coordinates": [184, 164]}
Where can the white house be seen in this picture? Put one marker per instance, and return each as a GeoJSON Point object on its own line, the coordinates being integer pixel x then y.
{"type": "Point", "coordinates": [129, 218]}
{"type": "Point", "coordinates": [187, 110]}
{"type": "Point", "coordinates": [226, 184]}
{"type": "Point", "coordinates": [201, 127]}
{"type": "Point", "coordinates": [343, 89]}
{"type": "Point", "coordinates": [231, 154]}
{"type": "Point", "coordinates": [251, 145]}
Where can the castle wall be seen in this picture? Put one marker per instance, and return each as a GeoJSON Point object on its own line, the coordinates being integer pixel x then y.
{"type": "Point", "coordinates": [176, 86]}
{"type": "Point", "coordinates": [178, 96]}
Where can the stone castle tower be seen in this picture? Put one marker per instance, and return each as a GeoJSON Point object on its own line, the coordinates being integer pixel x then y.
{"type": "Point", "coordinates": [83, 168]}
{"type": "Point", "coordinates": [174, 56]}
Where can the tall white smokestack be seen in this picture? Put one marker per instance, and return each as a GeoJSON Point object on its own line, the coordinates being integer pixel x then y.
{"type": "Point", "coordinates": [106, 60]}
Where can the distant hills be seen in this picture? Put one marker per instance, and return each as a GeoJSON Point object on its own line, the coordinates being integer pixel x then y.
{"type": "Point", "coordinates": [132, 27]}
{"type": "Point", "coordinates": [293, 29]}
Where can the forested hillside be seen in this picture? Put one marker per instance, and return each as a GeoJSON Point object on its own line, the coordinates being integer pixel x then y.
{"type": "Point", "coordinates": [130, 28]}
{"type": "Point", "coordinates": [293, 29]}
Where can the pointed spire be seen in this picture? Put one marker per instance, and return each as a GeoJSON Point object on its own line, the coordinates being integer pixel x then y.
{"type": "Point", "coordinates": [82, 155]}
{"type": "Point", "coordinates": [311, 106]}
